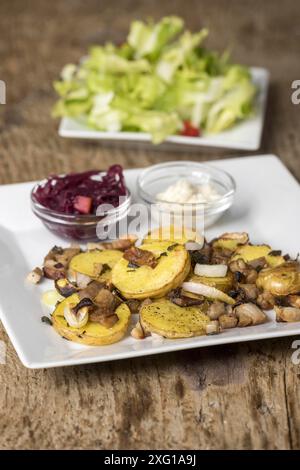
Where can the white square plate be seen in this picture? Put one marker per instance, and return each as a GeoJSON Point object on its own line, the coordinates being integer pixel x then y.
{"type": "Point", "coordinates": [266, 206]}
{"type": "Point", "coordinates": [245, 135]}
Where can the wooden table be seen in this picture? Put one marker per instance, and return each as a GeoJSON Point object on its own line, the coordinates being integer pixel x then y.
{"type": "Point", "coordinates": [244, 396]}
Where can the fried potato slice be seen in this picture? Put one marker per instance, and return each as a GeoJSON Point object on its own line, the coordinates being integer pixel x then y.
{"type": "Point", "coordinates": [86, 263]}
{"type": "Point", "coordinates": [92, 333]}
{"type": "Point", "coordinates": [171, 321]}
{"type": "Point", "coordinates": [139, 283]}
{"type": "Point", "coordinates": [231, 241]}
{"type": "Point", "coordinates": [172, 233]}
{"type": "Point", "coordinates": [252, 252]}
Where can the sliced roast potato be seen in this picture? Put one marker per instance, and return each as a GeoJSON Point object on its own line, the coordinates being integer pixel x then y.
{"type": "Point", "coordinates": [252, 252]}
{"type": "Point", "coordinates": [96, 264]}
{"type": "Point", "coordinates": [171, 321]}
{"type": "Point", "coordinates": [142, 282]}
{"type": "Point", "coordinates": [230, 241]}
{"type": "Point", "coordinates": [92, 333]}
{"type": "Point", "coordinates": [174, 234]}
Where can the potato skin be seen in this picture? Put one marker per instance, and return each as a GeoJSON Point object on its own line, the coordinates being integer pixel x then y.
{"type": "Point", "coordinates": [92, 334]}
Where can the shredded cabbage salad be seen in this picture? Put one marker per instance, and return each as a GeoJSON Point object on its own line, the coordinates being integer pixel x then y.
{"type": "Point", "coordinates": [161, 81]}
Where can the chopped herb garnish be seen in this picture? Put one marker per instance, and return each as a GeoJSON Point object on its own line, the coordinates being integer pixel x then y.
{"type": "Point", "coordinates": [105, 268]}
{"type": "Point", "coordinates": [172, 247]}
{"type": "Point", "coordinates": [47, 320]}
{"type": "Point", "coordinates": [275, 253]}
{"type": "Point", "coordinates": [133, 265]}
{"type": "Point", "coordinates": [162, 254]}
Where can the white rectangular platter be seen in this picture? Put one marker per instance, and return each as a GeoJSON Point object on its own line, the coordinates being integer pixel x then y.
{"type": "Point", "coordinates": [266, 206]}
{"type": "Point", "coordinates": [245, 135]}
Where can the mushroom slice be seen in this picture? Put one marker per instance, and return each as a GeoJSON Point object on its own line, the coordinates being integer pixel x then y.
{"type": "Point", "coordinates": [66, 255]}
{"type": "Point", "coordinates": [212, 328]}
{"type": "Point", "coordinates": [201, 256]}
{"type": "Point", "coordinates": [258, 263]}
{"type": "Point", "coordinates": [220, 255]}
{"type": "Point", "coordinates": [249, 291]}
{"type": "Point", "coordinates": [238, 266]}
{"type": "Point", "coordinates": [35, 276]}
{"type": "Point", "coordinates": [91, 290]}
{"type": "Point", "coordinates": [249, 314]}
{"type": "Point", "coordinates": [266, 300]}
{"type": "Point", "coordinates": [215, 310]}
{"type": "Point", "coordinates": [139, 257]}
{"type": "Point", "coordinates": [251, 276]}
{"type": "Point", "coordinates": [62, 256]}
{"type": "Point", "coordinates": [294, 300]}
{"type": "Point", "coordinates": [287, 314]}
{"type": "Point", "coordinates": [227, 321]}
{"type": "Point", "coordinates": [65, 287]}
{"type": "Point", "coordinates": [54, 270]}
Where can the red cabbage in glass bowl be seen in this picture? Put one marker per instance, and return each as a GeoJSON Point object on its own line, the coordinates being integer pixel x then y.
{"type": "Point", "coordinates": [67, 204]}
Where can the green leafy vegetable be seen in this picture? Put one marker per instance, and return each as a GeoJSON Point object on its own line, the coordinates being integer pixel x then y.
{"type": "Point", "coordinates": [161, 77]}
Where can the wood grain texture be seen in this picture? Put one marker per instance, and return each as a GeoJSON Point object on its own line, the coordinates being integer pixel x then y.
{"type": "Point", "coordinates": [244, 396]}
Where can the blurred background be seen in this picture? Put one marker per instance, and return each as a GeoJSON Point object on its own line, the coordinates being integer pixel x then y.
{"type": "Point", "coordinates": [38, 37]}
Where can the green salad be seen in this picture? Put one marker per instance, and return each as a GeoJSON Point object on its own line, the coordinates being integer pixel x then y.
{"type": "Point", "coordinates": [162, 81]}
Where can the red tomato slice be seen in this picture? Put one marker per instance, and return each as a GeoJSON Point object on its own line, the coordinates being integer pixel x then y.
{"type": "Point", "coordinates": [190, 130]}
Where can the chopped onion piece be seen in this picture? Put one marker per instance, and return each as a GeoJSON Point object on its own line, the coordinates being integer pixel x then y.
{"type": "Point", "coordinates": [207, 291]}
{"type": "Point", "coordinates": [211, 270]}
{"type": "Point", "coordinates": [82, 280]}
{"type": "Point", "coordinates": [194, 246]}
{"type": "Point", "coordinates": [76, 320]}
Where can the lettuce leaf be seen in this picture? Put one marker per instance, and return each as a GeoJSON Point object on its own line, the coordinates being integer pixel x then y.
{"type": "Point", "coordinates": [159, 78]}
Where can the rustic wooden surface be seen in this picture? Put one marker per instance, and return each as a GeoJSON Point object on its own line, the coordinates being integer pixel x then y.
{"type": "Point", "coordinates": [244, 396]}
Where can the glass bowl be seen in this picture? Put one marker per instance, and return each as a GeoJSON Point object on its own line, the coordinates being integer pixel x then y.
{"type": "Point", "coordinates": [158, 178]}
{"type": "Point", "coordinates": [82, 227]}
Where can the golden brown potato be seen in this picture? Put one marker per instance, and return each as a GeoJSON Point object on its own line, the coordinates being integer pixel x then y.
{"type": "Point", "coordinates": [172, 233]}
{"type": "Point", "coordinates": [252, 252]}
{"type": "Point", "coordinates": [93, 334]}
{"type": "Point", "coordinates": [172, 268]}
{"type": "Point", "coordinates": [171, 321]}
{"type": "Point", "coordinates": [88, 263]}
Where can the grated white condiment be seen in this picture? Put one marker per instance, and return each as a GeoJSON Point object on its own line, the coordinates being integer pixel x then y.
{"type": "Point", "coordinates": [184, 192]}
